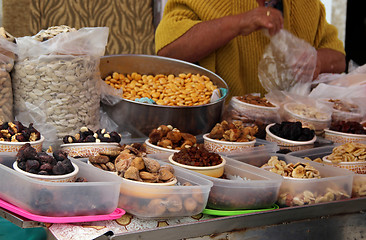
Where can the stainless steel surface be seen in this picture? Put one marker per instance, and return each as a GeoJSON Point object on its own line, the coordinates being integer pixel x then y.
{"type": "Point", "coordinates": [335, 220]}
{"type": "Point", "coordinates": [139, 118]}
{"type": "Point", "coordinates": [18, 220]}
{"type": "Point", "coordinates": [340, 218]}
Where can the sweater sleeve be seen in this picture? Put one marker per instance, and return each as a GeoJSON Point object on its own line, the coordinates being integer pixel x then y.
{"type": "Point", "coordinates": [178, 18]}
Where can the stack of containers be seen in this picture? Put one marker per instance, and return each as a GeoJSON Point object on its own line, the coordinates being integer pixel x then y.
{"type": "Point", "coordinates": [359, 180]}
{"type": "Point", "coordinates": [187, 198]}
{"type": "Point", "coordinates": [334, 184]}
{"type": "Point", "coordinates": [99, 195]}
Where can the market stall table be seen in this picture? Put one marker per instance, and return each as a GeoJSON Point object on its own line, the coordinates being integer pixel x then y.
{"type": "Point", "coordinates": [345, 219]}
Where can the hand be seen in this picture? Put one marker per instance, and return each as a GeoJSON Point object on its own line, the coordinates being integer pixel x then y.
{"type": "Point", "coordinates": [259, 18]}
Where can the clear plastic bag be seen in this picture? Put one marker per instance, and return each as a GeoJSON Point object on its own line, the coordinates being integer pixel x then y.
{"type": "Point", "coordinates": [288, 64]}
{"type": "Point", "coordinates": [7, 56]}
{"type": "Point", "coordinates": [60, 77]}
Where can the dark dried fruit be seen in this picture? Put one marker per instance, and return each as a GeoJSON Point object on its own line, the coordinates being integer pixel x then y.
{"type": "Point", "coordinates": [59, 155]}
{"type": "Point", "coordinates": [31, 165]}
{"type": "Point", "coordinates": [292, 131]}
{"type": "Point", "coordinates": [347, 127]}
{"type": "Point", "coordinates": [59, 169]}
{"type": "Point", "coordinates": [69, 139]}
{"type": "Point", "coordinates": [197, 156]}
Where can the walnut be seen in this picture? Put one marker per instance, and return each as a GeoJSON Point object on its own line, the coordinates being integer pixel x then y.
{"type": "Point", "coordinates": [217, 132]}
{"type": "Point", "coordinates": [232, 135]}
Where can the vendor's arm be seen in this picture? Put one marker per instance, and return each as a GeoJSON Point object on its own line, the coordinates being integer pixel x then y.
{"type": "Point", "coordinates": [329, 61]}
{"type": "Point", "coordinates": [207, 36]}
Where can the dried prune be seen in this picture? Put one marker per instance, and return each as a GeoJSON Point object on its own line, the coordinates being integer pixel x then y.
{"type": "Point", "coordinates": [46, 167]}
{"type": "Point", "coordinates": [59, 155]}
{"type": "Point", "coordinates": [26, 152]}
{"type": "Point", "coordinates": [69, 139]}
{"type": "Point", "coordinates": [45, 158]}
{"type": "Point", "coordinates": [31, 165]}
{"type": "Point", "coordinates": [90, 138]}
{"type": "Point", "coordinates": [347, 127]}
{"type": "Point", "coordinates": [59, 169]}
{"type": "Point", "coordinates": [292, 131]}
{"type": "Point", "coordinates": [115, 137]}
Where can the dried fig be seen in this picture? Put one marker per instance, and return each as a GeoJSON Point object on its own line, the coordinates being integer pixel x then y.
{"type": "Point", "coordinates": [132, 173]}
{"type": "Point", "coordinates": [138, 163]}
{"type": "Point", "coordinates": [99, 159]}
{"type": "Point", "coordinates": [151, 165]}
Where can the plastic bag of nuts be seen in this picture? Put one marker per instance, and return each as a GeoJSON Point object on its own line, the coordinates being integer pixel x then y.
{"type": "Point", "coordinates": [59, 74]}
{"type": "Point", "coordinates": [7, 49]}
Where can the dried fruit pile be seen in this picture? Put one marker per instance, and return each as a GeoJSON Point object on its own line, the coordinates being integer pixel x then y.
{"type": "Point", "coordinates": [234, 131]}
{"type": "Point", "coordinates": [172, 138]}
{"type": "Point", "coordinates": [256, 100]}
{"type": "Point", "coordinates": [197, 156]}
{"type": "Point", "coordinates": [41, 163]}
{"type": "Point", "coordinates": [87, 135]}
{"type": "Point", "coordinates": [17, 132]}
{"type": "Point", "coordinates": [347, 127]}
{"type": "Point", "coordinates": [292, 131]}
{"type": "Point", "coordinates": [298, 170]}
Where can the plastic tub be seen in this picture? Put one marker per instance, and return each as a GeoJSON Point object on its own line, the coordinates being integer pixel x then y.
{"type": "Point", "coordinates": [161, 202]}
{"type": "Point", "coordinates": [97, 196]}
{"type": "Point", "coordinates": [250, 187]}
{"type": "Point", "coordinates": [335, 184]}
{"type": "Point", "coordinates": [359, 185]}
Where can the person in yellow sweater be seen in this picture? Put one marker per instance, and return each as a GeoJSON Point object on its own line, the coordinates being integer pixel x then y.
{"type": "Point", "coordinates": [223, 36]}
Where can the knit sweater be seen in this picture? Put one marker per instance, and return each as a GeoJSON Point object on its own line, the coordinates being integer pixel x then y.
{"type": "Point", "coordinates": [237, 62]}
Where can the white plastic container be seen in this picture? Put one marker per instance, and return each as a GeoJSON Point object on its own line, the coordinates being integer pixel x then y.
{"type": "Point", "coordinates": [161, 202]}
{"type": "Point", "coordinates": [309, 116]}
{"type": "Point", "coordinates": [248, 187]}
{"type": "Point", "coordinates": [97, 196]}
{"type": "Point", "coordinates": [334, 184]}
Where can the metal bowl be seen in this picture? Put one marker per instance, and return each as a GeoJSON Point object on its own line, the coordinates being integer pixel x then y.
{"type": "Point", "coordinates": [139, 119]}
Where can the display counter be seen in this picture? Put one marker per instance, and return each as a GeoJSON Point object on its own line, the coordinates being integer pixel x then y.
{"type": "Point", "coordinates": [345, 219]}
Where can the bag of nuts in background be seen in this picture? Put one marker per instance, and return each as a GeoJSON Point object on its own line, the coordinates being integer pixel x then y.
{"type": "Point", "coordinates": [57, 72]}
{"type": "Point", "coordinates": [7, 49]}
